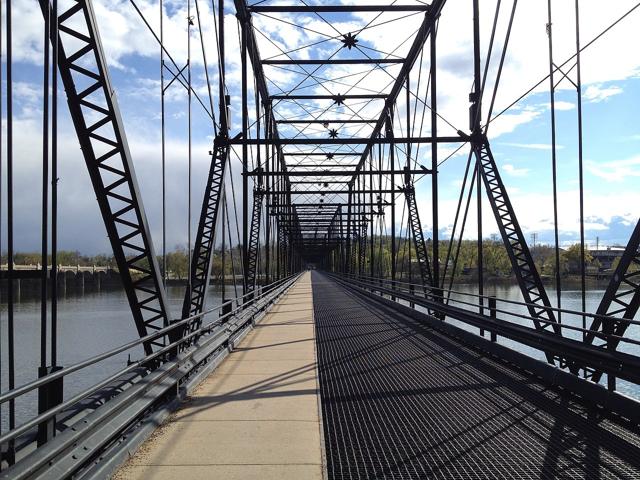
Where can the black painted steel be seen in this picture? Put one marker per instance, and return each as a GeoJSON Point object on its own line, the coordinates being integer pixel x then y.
{"type": "Point", "coordinates": [418, 238]}
{"type": "Point", "coordinates": [202, 257]}
{"type": "Point", "coordinates": [522, 263]}
{"type": "Point", "coordinates": [96, 118]}
{"type": "Point", "coordinates": [402, 400]}
{"type": "Point", "coordinates": [254, 241]}
{"type": "Point", "coordinates": [621, 299]}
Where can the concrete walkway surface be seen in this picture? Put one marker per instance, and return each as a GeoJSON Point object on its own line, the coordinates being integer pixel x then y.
{"type": "Point", "coordinates": [256, 416]}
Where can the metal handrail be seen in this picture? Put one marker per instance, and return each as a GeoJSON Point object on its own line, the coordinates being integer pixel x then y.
{"type": "Point", "coordinates": [371, 281]}
{"type": "Point", "coordinates": [17, 392]}
{"type": "Point", "coordinates": [623, 365]}
{"type": "Point", "coordinates": [504, 300]}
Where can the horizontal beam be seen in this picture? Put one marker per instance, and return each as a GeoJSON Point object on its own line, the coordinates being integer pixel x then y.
{"type": "Point", "coordinates": [327, 192]}
{"type": "Point", "coordinates": [328, 204]}
{"type": "Point", "coordinates": [337, 8]}
{"type": "Point", "coordinates": [334, 204]}
{"type": "Point", "coordinates": [322, 154]}
{"type": "Point", "coordinates": [323, 121]}
{"type": "Point", "coordinates": [343, 141]}
{"type": "Point", "coordinates": [344, 61]}
{"type": "Point", "coordinates": [328, 213]}
{"type": "Point", "coordinates": [312, 182]}
{"type": "Point", "coordinates": [337, 173]}
{"type": "Point", "coordinates": [328, 97]}
{"type": "Point", "coordinates": [323, 165]}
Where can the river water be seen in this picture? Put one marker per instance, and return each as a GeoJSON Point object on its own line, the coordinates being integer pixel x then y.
{"type": "Point", "coordinates": [88, 324]}
{"type": "Point", "coordinates": [96, 322]}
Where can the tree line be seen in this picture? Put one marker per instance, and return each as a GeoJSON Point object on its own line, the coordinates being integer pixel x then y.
{"type": "Point", "coordinates": [495, 259]}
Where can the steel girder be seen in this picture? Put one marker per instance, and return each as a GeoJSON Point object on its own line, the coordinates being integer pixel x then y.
{"type": "Point", "coordinates": [522, 263]}
{"type": "Point", "coordinates": [202, 258]}
{"type": "Point", "coordinates": [362, 246]}
{"type": "Point", "coordinates": [254, 241]}
{"type": "Point", "coordinates": [418, 238]}
{"type": "Point", "coordinates": [100, 130]}
{"type": "Point", "coordinates": [620, 301]}
{"type": "Point", "coordinates": [426, 28]}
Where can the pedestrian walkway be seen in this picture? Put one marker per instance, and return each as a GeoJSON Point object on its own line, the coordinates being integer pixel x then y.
{"type": "Point", "coordinates": [256, 416]}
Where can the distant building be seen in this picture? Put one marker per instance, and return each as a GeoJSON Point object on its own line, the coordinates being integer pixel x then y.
{"type": "Point", "coordinates": [606, 256]}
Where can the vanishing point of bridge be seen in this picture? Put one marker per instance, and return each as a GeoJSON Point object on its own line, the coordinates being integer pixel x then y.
{"type": "Point", "coordinates": [349, 352]}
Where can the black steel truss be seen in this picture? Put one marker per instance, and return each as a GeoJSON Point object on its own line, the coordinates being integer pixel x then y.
{"type": "Point", "coordinates": [254, 241]}
{"type": "Point", "coordinates": [202, 256]}
{"type": "Point", "coordinates": [418, 238]}
{"type": "Point", "coordinates": [96, 118]}
{"type": "Point", "coordinates": [619, 303]}
{"type": "Point", "coordinates": [522, 263]}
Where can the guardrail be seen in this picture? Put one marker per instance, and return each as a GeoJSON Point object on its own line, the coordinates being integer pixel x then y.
{"type": "Point", "coordinates": [511, 325]}
{"type": "Point", "coordinates": [97, 425]}
{"type": "Point", "coordinates": [60, 268]}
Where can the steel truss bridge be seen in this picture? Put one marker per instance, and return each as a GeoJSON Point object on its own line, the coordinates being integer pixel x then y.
{"type": "Point", "coordinates": [330, 161]}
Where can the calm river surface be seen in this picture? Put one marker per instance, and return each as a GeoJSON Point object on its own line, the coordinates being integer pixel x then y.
{"type": "Point", "coordinates": [96, 322]}
{"type": "Point", "coordinates": [88, 324]}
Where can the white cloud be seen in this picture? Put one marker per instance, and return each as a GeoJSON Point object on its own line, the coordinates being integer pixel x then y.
{"type": "Point", "coordinates": [515, 172]}
{"type": "Point", "coordinates": [532, 146]}
{"type": "Point", "coordinates": [617, 170]}
{"type": "Point", "coordinates": [126, 40]}
{"type": "Point", "coordinates": [561, 105]}
{"type": "Point", "coordinates": [596, 93]}
{"type": "Point", "coordinates": [534, 211]}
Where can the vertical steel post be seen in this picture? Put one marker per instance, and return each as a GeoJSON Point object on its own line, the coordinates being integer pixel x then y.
{"type": "Point", "coordinates": [434, 165]}
{"type": "Point", "coordinates": [494, 315]}
{"type": "Point", "coordinates": [163, 150]}
{"type": "Point", "coordinates": [554, 162]}
{"type": "Point", "coordinates": [50, 394]}
{"type": "Point", "coordinates": [189, 22]}
{"type": "Point", "coordinates": [10, 455]}
{"type": "Point", "coordinates": [581, 181]}
{"type": "Point", "coordinates": [245, 156]}
{"type": "Point", "coordinates": [475, 116]}
{"type": "Point", "coordinates": [45, 191]}
{"type": "Point", "coordinates": [267, 233]}
{"type": "Point", "coordinates": [392, 165]}
{"type": "Point", "coordinates": [54, 184]}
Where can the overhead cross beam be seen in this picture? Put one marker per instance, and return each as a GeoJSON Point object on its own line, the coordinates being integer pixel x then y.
{"type": "Point", "coordinates": [338, 8]}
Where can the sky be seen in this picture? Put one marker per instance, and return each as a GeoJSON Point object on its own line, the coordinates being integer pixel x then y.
{"type": "Point", "coordinates": [520, 138]}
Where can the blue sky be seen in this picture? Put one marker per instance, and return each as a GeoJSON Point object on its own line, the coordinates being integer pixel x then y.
{"type": "Point", "coordinates": [520, 139]}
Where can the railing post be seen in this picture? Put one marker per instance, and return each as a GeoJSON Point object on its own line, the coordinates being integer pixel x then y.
{"type": "Point", "coordinates": [611, 379]}
{"type": "Point", "coordinates": [412, 290]}
{"type": "Point", "coordinates": [49, 396]}
{"type": "Point", "coordinates": [494, 316]}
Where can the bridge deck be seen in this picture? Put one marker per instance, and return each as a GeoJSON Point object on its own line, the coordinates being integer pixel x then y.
{"type": "Point", "coordinates": [256, 416]}
{"type": "Point", "coordinates": [403, 401]}
{"type": "Point", "coordinates": [399, 400]}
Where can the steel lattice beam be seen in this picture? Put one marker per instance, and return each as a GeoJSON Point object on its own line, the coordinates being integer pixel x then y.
{"type": "Point", "coordinates": [620, 301]}
{"type": "Point", "coordinates": [98, 124]}
{"type": "Point", "coordinates": [202, 259]}
{"type": "Point", "coordinates": [418, 238]}
{"type": "Point", "coordinates": [522, 263]}
{"type": "Point", "coordinates": [254, 241]}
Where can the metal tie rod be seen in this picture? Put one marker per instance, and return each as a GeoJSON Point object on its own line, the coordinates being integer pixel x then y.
{"type": "Point", "coordinates": [337, 8]}
{"type": "Point", "coordinates": [339, 61]}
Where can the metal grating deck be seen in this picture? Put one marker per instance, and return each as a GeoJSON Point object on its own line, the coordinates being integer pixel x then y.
{"type": "Point", "coordinates": [401, 401]}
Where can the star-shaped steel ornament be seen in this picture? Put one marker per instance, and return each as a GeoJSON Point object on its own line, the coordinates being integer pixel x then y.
{"type": "Point", "coordinates": [349, 41]}
{"type": "Point", "coordinates": [329, 156]}
{"type": "Point", "coordinates": [339, 99]}
{"type": "Point", "coordinates": [333, 133]}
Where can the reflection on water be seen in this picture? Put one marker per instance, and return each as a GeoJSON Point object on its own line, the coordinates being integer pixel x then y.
{"type": "Point", "coordinates": [88, 324]}
{"type": "Point", "coordinates": [96, 322]}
